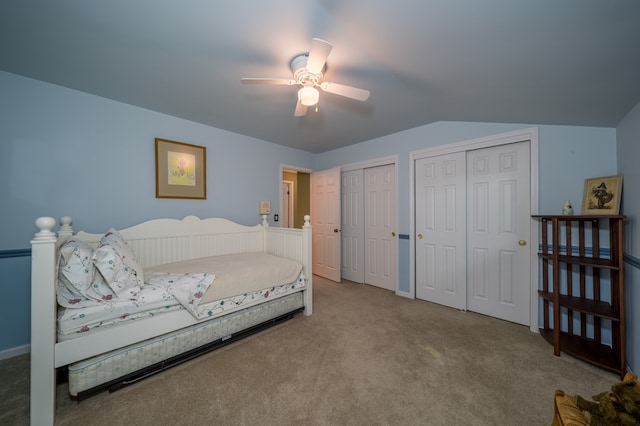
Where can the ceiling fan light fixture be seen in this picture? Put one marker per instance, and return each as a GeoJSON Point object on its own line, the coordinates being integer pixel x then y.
{"type": "Point", "coordinates": [308, 96]}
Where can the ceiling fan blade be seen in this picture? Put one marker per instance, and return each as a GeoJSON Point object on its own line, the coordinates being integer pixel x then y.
{"type": "Point", "coordinates": [348, 91]}
{"type": "Point", "coordinates": [318, 53]}
{"type": "Point", "coordinates": [301, 110]}
{"type": "Point", "coordinates": [269, 81]}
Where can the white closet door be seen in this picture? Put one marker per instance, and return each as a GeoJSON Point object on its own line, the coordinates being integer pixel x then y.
{"type": "Point", "coordinates": [440, 251]}
{"type": "Point", "coordinates": [325, 220]}
{"type": "Point", "coordinates": [380, 226]}
{"type": "Point", "coordinates": [498, 231]}
{"type": "Point", "coordinates": [352, 226]}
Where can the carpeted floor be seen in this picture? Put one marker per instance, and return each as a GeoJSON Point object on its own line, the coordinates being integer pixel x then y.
{"type": "Point", "coordinates": [366, 357]}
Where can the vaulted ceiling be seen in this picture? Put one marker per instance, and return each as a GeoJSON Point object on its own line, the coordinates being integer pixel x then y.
{"type": "Point", "coordinates": [567, 62]}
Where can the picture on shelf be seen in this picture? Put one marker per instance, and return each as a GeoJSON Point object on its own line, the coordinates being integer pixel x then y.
{"type": "Point", "coordinates": [602, 195]}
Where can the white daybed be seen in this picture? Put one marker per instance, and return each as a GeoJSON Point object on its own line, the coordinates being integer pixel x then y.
{"type": "Point", "coordinates": [155, 243]}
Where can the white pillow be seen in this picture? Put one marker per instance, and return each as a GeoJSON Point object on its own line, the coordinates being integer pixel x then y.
{"type": "Point", "coordinates": [77, 275]}
{"type": "Point", "coordinates": [117, 264]}
{"type": "Point", "coordinates": [99, 290]}
{"type": "Point", "coordinates": [76, 270]}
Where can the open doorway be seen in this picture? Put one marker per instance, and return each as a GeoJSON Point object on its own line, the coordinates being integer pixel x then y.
{"type": "Point", "coordinates": [288, 188]}
{"type": "Point", "coordinates": [295, 205]}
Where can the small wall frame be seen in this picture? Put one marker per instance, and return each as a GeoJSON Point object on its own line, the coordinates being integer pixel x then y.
{"type": "Point", "coordinates": [180, 170]}
{"type": "Point", "coordinates": [602, 195]}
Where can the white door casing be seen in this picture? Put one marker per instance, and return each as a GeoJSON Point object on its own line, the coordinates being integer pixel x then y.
{"type": "Point", "coordinates": [498, 231]}
{"type": "Point", "coordinates": [325, 220]}
{"type": "Point", "coordinates": [380, 232]}
{"type": "Point", "coordinates": [440, 240]}
{"type": "Point", "coordinates": [352, 225]}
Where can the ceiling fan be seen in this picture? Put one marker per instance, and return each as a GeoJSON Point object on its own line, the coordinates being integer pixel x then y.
{"type": "Point", "coordinates": [307, 70]}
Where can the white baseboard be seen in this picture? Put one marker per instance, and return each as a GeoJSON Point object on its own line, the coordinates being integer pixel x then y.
{"type": "Point", "coordinates": [19, 350]}
{"type": "Point", "coordinates": [404, 294]}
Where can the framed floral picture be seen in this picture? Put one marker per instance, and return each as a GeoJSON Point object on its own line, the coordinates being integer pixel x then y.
{"type": "Point", "coordinates": [180, 170]}
{"type": "Point", "coordinates": [602, 195]}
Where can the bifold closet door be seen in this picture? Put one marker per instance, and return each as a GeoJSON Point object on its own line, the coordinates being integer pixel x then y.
{"type": "Point", "coordinates": [352, 225]}
{"type": "Point", "coordinates": [380, 231]}
{"type": "Point", "coordinates": [472, 213]}
{"type": "Point", "coordinates": [498, 231]}
{"type": "Point", "coordinates": [440, 196]}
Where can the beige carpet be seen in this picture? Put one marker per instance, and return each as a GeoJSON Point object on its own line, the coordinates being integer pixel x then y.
{"type": "Point", "coordinates": [366, 357]}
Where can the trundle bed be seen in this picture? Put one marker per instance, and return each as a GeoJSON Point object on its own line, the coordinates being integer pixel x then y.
{"type": "Point", "coordinates": [114, 307]}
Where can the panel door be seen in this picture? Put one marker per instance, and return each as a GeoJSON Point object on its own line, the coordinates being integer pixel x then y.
{"type": "Point", "coordinates": [440, 188]}
{"type": "Point", "coordinates": [325, 219]}
{"type": "Point", "coordinates": [352, 225]}
{"type": "Point", "coordinates": [498, 231]}
{"type": "Point", "coordinates": [380, 226]}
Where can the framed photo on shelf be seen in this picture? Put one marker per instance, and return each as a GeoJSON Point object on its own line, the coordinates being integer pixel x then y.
{"type": "Point", "coordinates": [602, 195]}
{"type": "Point", "coordinates": [180, 170]}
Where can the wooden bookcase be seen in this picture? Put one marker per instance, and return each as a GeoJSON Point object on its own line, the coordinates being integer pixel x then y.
{"type": "Point", "coordinates": [574, 312]}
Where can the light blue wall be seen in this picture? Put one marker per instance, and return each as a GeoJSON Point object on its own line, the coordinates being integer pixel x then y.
{"type": "Point", "coordinates": [567, 154]}
{"type": "Point", "coordinates": [70, 153]}
{"type": "Point", "coordinates": [65, 152]}
{"type": "Point", "coordinates": [628, 134]}
{"type": "Point", "coordinates": [14, 306]}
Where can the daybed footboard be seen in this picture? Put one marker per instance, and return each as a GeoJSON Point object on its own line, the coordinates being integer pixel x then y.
{"type": "Point", "coordinates": [288, 243]}
{"type": "Point", "coordinates": [155, 242]}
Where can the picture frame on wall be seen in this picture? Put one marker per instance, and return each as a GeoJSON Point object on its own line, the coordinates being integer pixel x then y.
{"type": "Point", "coordinates": [602, 195]}
{"type": "Point", "coordinates": [180, 170]}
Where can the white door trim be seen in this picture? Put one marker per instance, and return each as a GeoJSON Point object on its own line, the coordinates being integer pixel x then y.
{"type": "Point", "coordinates": [382, 161]}
{"type": "Point", "coordinates": [284, 168]}
{"type": "Point", "coordinates": [529, 134]}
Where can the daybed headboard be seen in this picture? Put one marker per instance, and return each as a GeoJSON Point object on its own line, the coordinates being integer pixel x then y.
{"type": "Point", "coordinates": [172, 240]}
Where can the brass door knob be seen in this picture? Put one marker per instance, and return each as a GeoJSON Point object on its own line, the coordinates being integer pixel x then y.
{"type": "Point", "coordinates": [522, 243]}
{"type": "Point", "coordinates": [393, 234]}
{"type": "Point", "coordinates": [419, 236]}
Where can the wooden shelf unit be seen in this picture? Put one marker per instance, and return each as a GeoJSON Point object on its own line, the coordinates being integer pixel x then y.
{"type": "Point", "coordinates": [582, 303]}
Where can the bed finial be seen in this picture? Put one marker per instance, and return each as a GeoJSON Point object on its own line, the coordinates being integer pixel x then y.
{"type": "Point", "coordinates": [45, 224]}
{"type": "Point", "coordinates": [65, 227]}
{"type": "Point", "coordinates": [307, 221]}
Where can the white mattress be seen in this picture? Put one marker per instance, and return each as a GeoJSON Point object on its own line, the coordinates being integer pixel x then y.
{"type": "Point", "coordinates": [236, 286]}
{"type": "Point", "coordinates": [237, 273]}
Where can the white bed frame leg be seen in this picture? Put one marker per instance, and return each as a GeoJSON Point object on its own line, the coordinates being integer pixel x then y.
{"type": "Point", "coordinates": [43, 331]}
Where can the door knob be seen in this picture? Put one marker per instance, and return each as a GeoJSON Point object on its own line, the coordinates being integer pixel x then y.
{"type": "Point", "coordinates": [419, 236]}
{"type": "Point", "coordinates": [393, 234]}
{"type": "Point", "coordinates": [522, 242]}
{"type": "Point", "coordinates": [335, 230]}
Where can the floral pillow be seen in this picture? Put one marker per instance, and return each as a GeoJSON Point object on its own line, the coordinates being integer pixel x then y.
{"type": "Point", "coordinates": [117, 264]}
{"type": "Point", "coordinates": [76, 270]}
{"type": "Point", "coordinates": [99, 290]}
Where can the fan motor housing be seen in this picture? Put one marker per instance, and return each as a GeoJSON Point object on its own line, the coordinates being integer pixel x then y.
{"type": "Point", "coordinates": [298, 67]}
